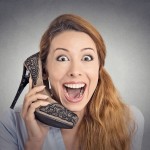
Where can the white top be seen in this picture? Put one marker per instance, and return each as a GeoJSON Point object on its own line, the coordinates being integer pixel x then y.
{"type": "Point", "coordinates": [13, 134]}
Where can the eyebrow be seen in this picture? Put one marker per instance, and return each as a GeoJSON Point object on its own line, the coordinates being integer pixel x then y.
{"type": "Point", "coordinates": [64, 49]}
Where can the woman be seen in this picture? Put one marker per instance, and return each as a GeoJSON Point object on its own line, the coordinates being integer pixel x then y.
{"type": "Point", "coordinates": [73, 56]}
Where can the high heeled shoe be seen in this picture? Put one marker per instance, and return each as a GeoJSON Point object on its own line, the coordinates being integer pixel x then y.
{"type": "Point", "coordinates": [54, 114]}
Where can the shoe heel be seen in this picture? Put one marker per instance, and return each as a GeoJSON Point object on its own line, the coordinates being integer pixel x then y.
{"type": "Point", "coordinates": [23, 83]}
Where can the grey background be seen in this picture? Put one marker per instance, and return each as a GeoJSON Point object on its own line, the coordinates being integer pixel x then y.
{"type": "Point", "coordinates": [124, 25]}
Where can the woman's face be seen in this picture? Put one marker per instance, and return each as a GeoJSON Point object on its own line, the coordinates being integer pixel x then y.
{"type": "Point", "coordinates": [73, 66]}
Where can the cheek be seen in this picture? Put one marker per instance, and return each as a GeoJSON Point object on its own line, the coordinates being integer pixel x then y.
{"type": "Point", "coordinates": [56, 73]}
{"type": "Point", "coordinates": [94, 81]}
{"type": "Point", "coordinates": [93, 76]}
{"type": "Point", "coordinates": [92, 71]}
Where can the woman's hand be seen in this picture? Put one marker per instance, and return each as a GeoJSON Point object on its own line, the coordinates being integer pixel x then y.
{"type": "Point", "coordinates": [37, 131]}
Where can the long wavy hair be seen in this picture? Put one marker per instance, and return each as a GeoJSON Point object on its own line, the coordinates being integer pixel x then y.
{"type": "Point", "coordinates": [107, 123]}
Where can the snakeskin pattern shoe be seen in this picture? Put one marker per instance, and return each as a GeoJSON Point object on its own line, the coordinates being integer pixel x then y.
{"type": "Point", "coordinates": [54, 114]}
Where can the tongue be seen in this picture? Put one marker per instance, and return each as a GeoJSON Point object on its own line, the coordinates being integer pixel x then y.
{"type": "Point", "coordinates": [73, 93]}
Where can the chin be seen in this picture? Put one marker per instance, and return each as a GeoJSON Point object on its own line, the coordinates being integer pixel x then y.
{"type": "Point", "coordinates": [74, 107]}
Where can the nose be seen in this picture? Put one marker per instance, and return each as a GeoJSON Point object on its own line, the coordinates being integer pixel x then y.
{"type": "Point", "coordinates": [75, 70]}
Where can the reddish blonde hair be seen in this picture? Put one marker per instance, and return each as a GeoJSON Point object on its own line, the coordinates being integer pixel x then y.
{"type": "Point", "coordinates": [107, 121]}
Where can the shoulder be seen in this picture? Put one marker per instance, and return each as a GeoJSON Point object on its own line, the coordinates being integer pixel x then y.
{"type": "Point", "coordinates": [11, 119]}
{"type": "Point", "coordinates": [11, 115]}
{"type": "Point", "coordinates": [12, 129]}
{"type": "Point", "coordinates": [138, 119]}
{"type": "Point", "coordinates": [137, 114]}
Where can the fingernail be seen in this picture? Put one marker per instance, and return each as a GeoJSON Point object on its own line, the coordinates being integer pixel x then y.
{"type": "Point", "coordinates": [43, 86]}
{"type": "Point", "coordinates": [45, 96]}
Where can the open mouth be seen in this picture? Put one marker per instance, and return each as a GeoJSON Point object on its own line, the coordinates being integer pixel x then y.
{"type": "Point", "coordinates": [74, 92]}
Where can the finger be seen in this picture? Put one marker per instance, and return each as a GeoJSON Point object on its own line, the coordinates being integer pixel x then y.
{"type": "Point", "coordinates": [30, 114]}
{"type": "Point", "coordinates": [30, 83]}
{"type": "Point", "coordinates": [29, 100]}
{"type": "Point", "coordinates": [36, 90]}
{"type": "Point", "coordinates": [30, 117]}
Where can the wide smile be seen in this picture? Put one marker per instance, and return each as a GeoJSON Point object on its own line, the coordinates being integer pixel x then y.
{"type": "Point", "coordinates": [74, 92]}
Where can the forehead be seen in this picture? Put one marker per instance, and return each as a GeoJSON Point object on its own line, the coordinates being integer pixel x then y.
{"type": "Point", "coordinates": [72, 39]}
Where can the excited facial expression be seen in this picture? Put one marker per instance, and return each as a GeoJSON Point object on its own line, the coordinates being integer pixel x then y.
{"type": "Point", "coordinates": [73, 66]}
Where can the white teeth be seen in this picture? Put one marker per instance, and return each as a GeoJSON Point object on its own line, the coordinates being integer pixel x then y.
{"type": "Point", "coordinates": [74, 86]}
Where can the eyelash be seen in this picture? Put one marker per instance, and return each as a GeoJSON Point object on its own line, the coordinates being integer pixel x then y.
{"type": "Point", "coordinates": [65, 58]}
{"type": "Point", "coordinates": [62, 56]}
{"type": "Point", "coordinates": [89, 56]}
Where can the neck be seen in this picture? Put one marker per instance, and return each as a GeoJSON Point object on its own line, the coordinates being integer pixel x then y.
{"type": "Point", "coordinates": [70, 135]}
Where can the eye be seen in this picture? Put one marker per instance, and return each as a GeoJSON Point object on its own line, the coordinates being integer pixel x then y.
{"type": "Point", "coordinates": [62, 58]}
{"type": "Point", "coordinates": [87, 58]}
